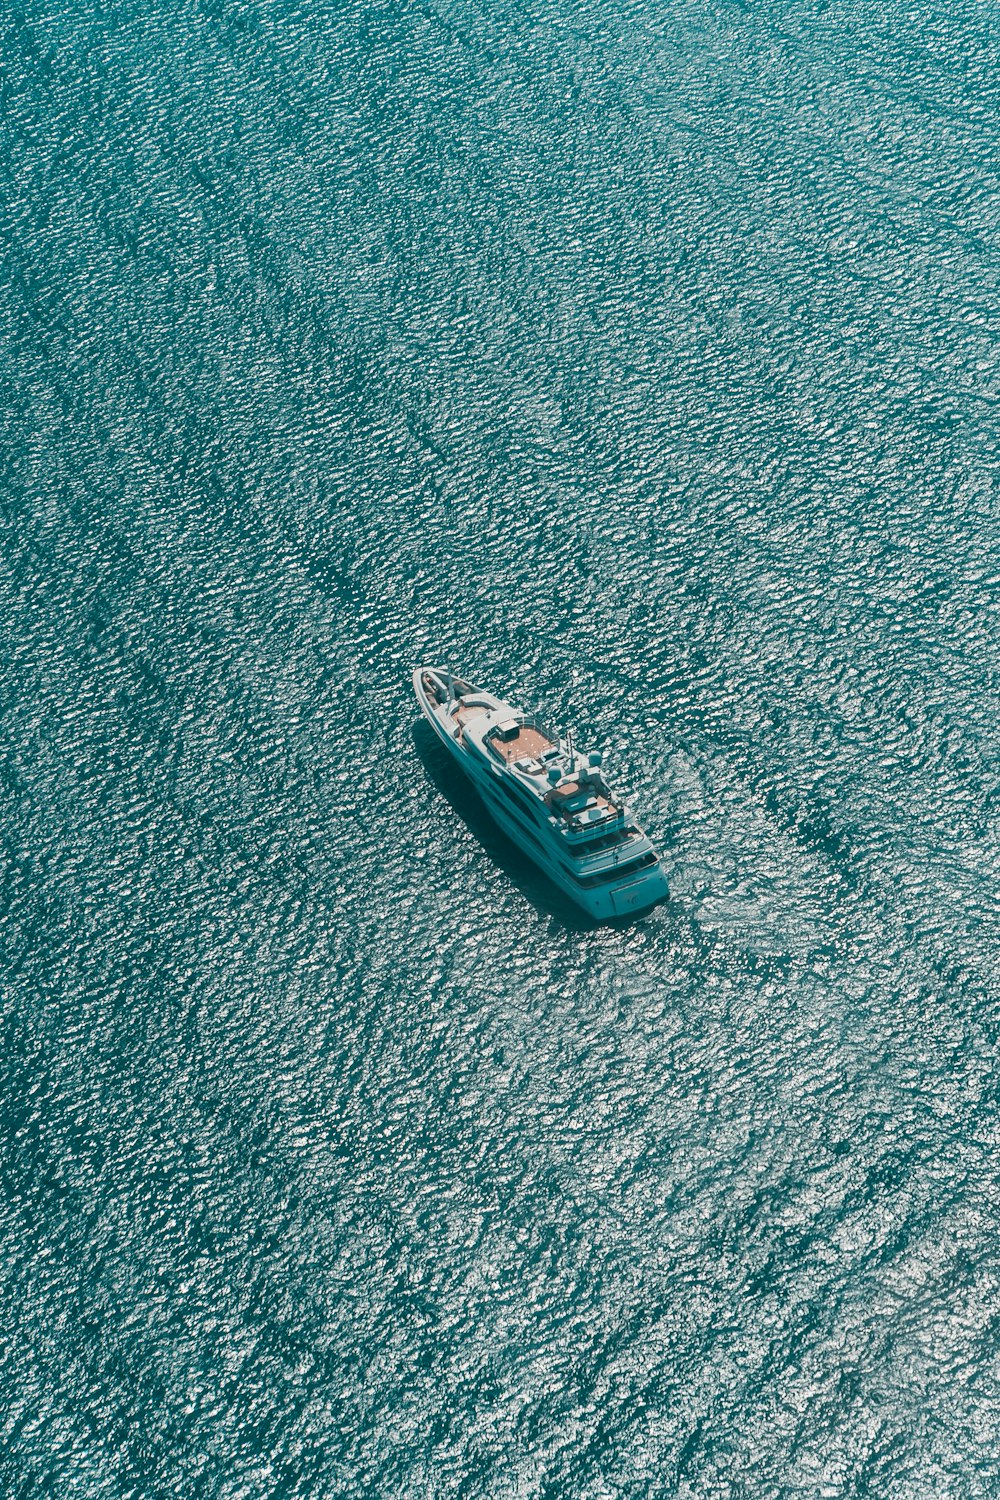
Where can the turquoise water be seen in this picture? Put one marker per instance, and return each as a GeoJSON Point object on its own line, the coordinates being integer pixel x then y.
{"type": "Point", "coordinates": [642, 362]}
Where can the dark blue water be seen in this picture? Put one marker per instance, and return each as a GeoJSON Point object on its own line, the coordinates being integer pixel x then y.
{"type": "Point", "coordinates": [641, 361]}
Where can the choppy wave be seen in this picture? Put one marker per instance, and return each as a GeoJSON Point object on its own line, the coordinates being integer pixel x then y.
{"type": "Point", "coordinates": [641, 363]}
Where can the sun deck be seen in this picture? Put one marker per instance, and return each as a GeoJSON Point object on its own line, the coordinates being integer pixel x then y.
{"type": "Point", "coordinates": [581, 803]}
{"type": "Point", "coordinates": [529, 743]}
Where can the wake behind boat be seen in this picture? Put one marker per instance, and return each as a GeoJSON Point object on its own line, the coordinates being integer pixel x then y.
{"type": "Point", "coordinates": [552, 801]}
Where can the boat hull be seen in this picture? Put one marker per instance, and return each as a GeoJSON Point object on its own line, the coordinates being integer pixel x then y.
{"type": "Point", "coordinates": [630, 897]}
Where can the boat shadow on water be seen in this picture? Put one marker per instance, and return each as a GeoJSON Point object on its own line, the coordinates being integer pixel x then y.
{"type": "Point", "coordinates": [462, 797]}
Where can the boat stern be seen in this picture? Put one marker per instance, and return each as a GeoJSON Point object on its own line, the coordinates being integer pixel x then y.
{"type": "Point", "coordinates": [635, 896]}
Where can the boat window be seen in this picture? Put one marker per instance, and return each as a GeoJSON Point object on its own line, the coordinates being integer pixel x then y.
{"type": "Point", "coordinates": [605, 841]}
{"type": "Point", "coordinates": [629, 867]}
{"type": "Point", "coordinates": [519, 794]}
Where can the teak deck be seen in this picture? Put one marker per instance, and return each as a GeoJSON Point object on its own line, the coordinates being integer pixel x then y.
{"type": "Point", "coordinates": [528, 744]}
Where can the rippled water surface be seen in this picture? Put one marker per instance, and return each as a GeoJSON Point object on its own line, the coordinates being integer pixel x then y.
{"type": "Point", "coordinates": [640, 360]}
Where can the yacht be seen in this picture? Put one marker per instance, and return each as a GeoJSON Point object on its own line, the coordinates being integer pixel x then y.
{"type": "Point", "coordinates": [550, 799]}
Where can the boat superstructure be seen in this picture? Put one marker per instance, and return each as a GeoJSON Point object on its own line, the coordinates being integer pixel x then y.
{"type": "Point", "coordinates": [550, 799]}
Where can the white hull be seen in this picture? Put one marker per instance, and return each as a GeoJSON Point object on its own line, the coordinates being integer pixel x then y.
{"type": "Point", "coordinates": [602, 895]}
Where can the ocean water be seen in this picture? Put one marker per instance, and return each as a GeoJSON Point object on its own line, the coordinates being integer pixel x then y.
{"type": "Point", "coordinates": [639, 360]}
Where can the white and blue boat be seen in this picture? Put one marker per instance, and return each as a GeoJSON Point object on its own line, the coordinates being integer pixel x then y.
{"type": "Point", "coordinates": [547, 797]}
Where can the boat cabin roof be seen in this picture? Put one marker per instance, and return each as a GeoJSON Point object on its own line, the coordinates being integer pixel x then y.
{"type": "Point", "coordinates": [573, 791]}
